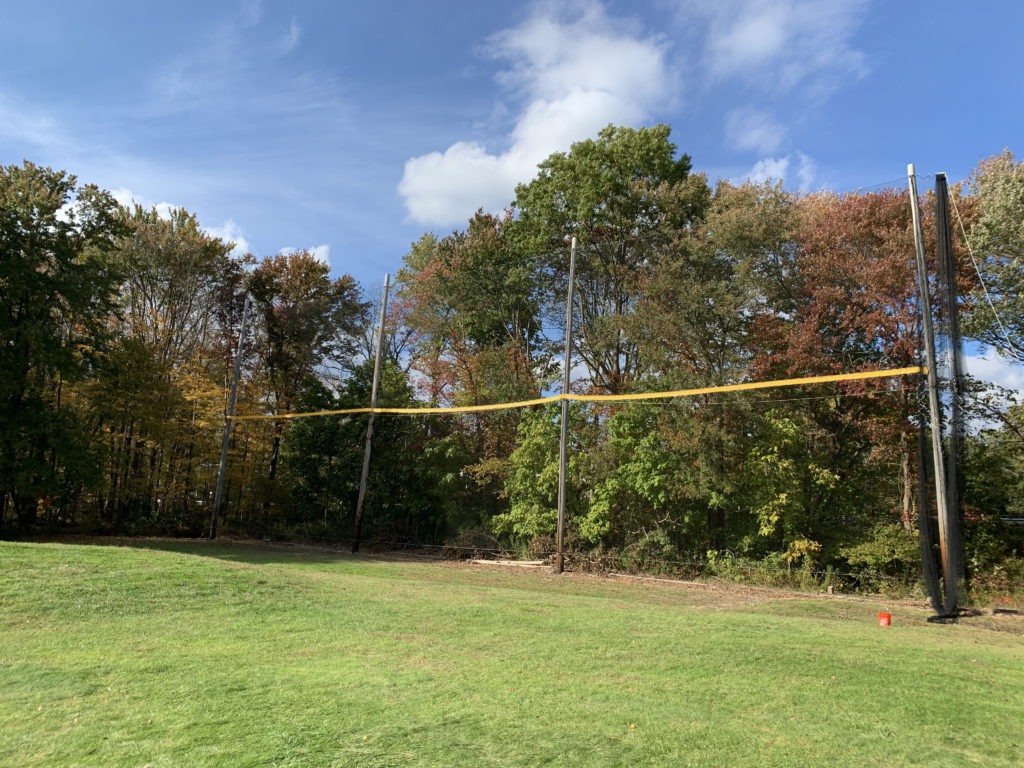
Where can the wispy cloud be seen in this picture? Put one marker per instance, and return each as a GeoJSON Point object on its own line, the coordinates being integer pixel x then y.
{"type": "Point", "coordinates": [291, 38]}
{"type": "Point", "coordinates": [39, 134]}
{"type": "Point", "coordinates": [751, 129]}
{"type": "Point", "coordinates": [807, 172]}
{"type": "Point", "coordinates": [235, 67]}
{"type": "Point", "coordinates": [573, 69]}
{"type": "Point", "coordinates": [781, 45]}
{"type": "Point", "coordinates": [251, 12]}
{"type": "Point", "coordinates": [797, 52]}
{"type": "Point", "coordinates": [24, 124]}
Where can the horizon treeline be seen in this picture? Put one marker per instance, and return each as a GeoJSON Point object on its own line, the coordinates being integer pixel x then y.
{"type": "Point", "coordinates": [119, 328]}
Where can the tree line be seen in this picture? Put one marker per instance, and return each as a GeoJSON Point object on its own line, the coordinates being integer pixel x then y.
{"type": "Point", "coordinates": [119, 328]}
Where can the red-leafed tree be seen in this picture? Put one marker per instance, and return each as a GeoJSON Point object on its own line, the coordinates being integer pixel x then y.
{"type": "Point", "coordinates": [852, 305]}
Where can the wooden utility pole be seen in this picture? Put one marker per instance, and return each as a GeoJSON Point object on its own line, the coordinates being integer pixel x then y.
{"type": "Point", "coordinates": [949, 575]}
{"type": "Point", "coordinates": [369, 425]}
{"type": "Point", "coordinates": [562, 445]}
{"type": "Point", "coordinates": [227, 421]}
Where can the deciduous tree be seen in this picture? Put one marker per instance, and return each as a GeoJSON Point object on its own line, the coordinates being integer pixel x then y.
{"type": "Point", "coordinates": [56, 291]}
{"type": "Point", "coordinates": [604, 192]}
{"type": "Point", "coordinates": [305, 320]}
{"type": "Point", "coordinates": [998, 241]}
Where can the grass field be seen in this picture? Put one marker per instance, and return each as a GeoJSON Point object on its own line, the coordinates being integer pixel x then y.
{"type": "Point", "coordinates": [198, 654]}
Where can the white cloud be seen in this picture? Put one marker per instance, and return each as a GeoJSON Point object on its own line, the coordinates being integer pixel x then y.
{"type": "Point", "coordinates": [445, 188]}
{"type": "Point", "coordinates": [781, 44]}
{"type": "Point", "coordinates": [322, 253]}
{"type": "Point", "coordinates": [807, 171]}
{"type": "Point", "coordinates": [125, 197]}
{"type": "Point", "coordinates": [777, 168]}
{"type": "Point", "coordinates": [773, 168]}
{"type": "Point", "coordinates": [231, 232]}
{"type": "Point", "coordinates": [129, 199]}
{"type": "Point", "coordinates": [751, 129]}
{"type": "Point", "coordinates": [573, 77]}
{"type": "Point", "coordinates": [995, 368]}
{"type": "Point", "coordinates": [551, 57]}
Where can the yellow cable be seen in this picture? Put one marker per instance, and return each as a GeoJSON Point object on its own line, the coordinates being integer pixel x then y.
{"type": "Point", "coordinates": [606, 398]}
{"type": "Point", "coordinates": [453, 409]}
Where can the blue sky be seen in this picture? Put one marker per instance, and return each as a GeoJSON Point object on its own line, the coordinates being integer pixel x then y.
{"type": "Point", "coordinates": [353, 128]}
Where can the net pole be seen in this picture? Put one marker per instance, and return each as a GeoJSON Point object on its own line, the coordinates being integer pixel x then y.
{"type": "Point", "coordinates": [369, 422]}
{"type": "Point", "coordinates": [227, 421]}
{"type": "Point", "coordinates": [925, 537]}
{"type": "Point", "coordinates": [951, 306]}
{"type": "Point", "coordinates": [941, 499]}
{"type": "Point", "coordinates": [564, 422]}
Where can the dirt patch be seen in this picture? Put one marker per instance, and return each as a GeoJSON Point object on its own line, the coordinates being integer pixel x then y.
{"type": "Point", "coordinates": [722, 596]}
{"type": "Point", "coordinates": [511, 563]}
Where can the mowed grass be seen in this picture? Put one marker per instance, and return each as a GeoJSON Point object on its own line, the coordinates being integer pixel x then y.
{"type": "Point", "coordinates": [221, 654]}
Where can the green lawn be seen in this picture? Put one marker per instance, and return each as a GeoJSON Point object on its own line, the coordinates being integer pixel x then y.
{"type": "Point", "coordinates": [193, 654]}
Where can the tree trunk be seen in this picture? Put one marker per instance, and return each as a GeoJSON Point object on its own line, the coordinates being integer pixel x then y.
{"type": "Point", "coordinates": [24, 511]}
{"type": "Point", "coordinates": [125, 462]}
{"type": "Point", "coordinates": [275, 453]}
{"type": "Point", "coordinates": [907, 510]}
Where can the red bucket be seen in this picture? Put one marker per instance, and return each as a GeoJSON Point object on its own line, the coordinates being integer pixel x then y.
{"type": "Point", "coordinates": [884, 619]}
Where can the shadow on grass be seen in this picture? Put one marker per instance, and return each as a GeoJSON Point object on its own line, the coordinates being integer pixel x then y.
{"type": "Point", "coordinates": [236, 550]}
{"type": "Point", "coordinates": [778, 602]}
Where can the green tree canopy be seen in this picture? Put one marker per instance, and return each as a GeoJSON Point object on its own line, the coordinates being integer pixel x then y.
{"type": "Point", "coordinates": [608, 192]}
{"type": "Point", "coordinates": [998, 242]}
{"type": "Point", "coordinates": [56, 290]}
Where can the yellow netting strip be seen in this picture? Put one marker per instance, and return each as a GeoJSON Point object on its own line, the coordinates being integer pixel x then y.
{"type": "Point", "coordinates": [605, 398]}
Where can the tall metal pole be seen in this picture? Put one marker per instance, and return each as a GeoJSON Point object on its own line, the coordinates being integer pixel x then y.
{"type": "Point", "coordinates": [941, 499]}
{"type": "Point", "coordinates": [925, 538]}
{"type": "Point", "coordinates": [951, 309]}
{"type": "Point", "coordinates": [369, 425]}
{"type": "Point", "coordinates": [227, 421]}
{"type": "Point", "coordinates": [564, 439]}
